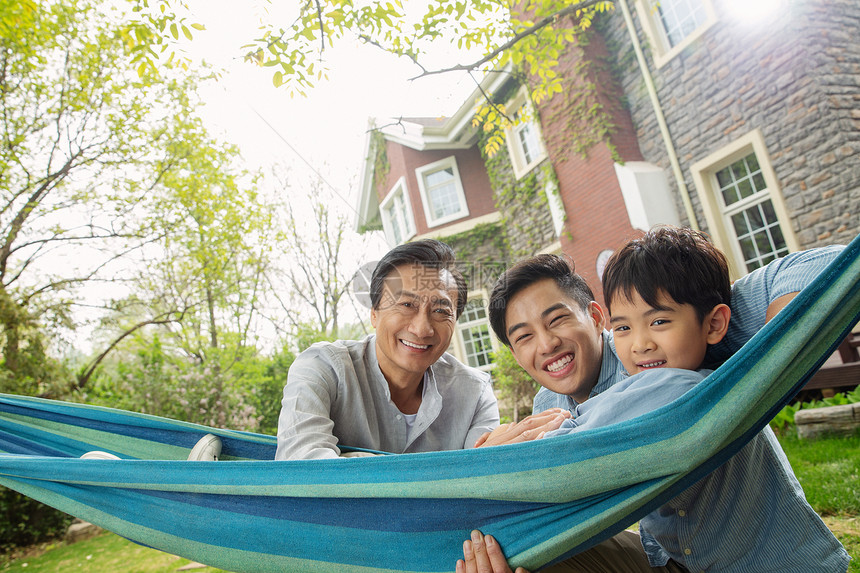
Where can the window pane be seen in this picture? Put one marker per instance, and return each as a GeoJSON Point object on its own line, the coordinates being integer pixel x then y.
{"type": "Point", "coordinates": [740, 180]}
{"type": "Point", "coordinates": [440, 177]}
{"type": "Point", "coordinates": [779, 243]}
{"type": "Point", "coordinates": [730, 195]}
{"type": "Point", "coordinates": [476, 341]}
{"type": "Point", "coordinates": [740, 223]}
{"type": "Point", "coordinates": [528, 142]}
{"type": "Point", "coordinates": [748, 248]}
{"type": "Point", "coordinates": [474, 311]}
{"type": "Point", "coordinates": [760, 237]}
{"type": "Point", "coordinates": [739, 170]}
{"type": "Point", "coordinates": [762, 242]}
{"type": "Point", "coordinates": [442, 192]}
{"type": "Point", "coordinates": [745, 188]}
{"type": "Point", "coordinates": [680, 18]}
{"type": "Point", "coordinates": [395, 225]}
{"type": "Point", "coordinates": [475, 331]}
{"type": "Point", "coordinates": [754, 218]}
{"type": "Point", "coordinates": [752, 161]}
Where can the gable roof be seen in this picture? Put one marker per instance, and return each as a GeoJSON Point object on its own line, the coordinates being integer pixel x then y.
{"type": "Point", "coordinates": [421, 134]}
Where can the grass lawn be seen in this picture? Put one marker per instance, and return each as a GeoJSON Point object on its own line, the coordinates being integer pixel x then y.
{"type": "Point", "coordinates": [105, 553]}
{"type": "Point", "coordinates": [828, 469]}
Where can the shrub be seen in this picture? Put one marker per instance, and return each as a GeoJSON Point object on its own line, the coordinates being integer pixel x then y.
{"type": "Point", "coordinates": [515, 387]}
{"type": "Point", "coordinates": [24, 521]}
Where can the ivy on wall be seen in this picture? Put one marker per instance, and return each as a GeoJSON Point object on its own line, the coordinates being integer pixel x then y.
{"type": "Point", "coordinates": [522, 202]}
{"type": "Point", "coordinates": [483, 238]}
{"type": "Point", "coordinates": [381, 165]}
{"type": "Point", "coordinates": [584, 120]}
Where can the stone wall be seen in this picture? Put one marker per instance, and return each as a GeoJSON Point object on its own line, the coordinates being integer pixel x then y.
{"type": "Point", "coordinates": [794, 76]}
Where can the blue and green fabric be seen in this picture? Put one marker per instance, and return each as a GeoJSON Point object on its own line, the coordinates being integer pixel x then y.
{"type": "Point", "coordinates": [543, 500]}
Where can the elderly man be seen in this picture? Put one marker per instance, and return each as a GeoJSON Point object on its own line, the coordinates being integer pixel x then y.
{"type": "Point", "coordinates": [396, 390]}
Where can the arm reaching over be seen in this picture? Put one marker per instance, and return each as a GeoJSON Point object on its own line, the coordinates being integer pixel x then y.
{"type": "Point", "coordinates": [527, 429]}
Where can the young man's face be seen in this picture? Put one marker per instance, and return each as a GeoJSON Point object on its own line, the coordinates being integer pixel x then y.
{"type": "Point", "coordinates": [668, 336]}
{"type": "Point", "coordinates": [558, 343]}
{"type": "Point", "coordinates": [414, 321]}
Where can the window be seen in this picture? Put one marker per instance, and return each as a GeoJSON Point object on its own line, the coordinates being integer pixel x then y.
{"type": "Point", "coordinates": [745, 211]}
{"type": "Point", "coordinates": [397, 220]}
{"type": "Point", "coordinates": [672, 25]}
{"type": "Point", "coordinates": [442, 192]}
{"type": "Point", "coordinates": [524, 139]}
{"type": "Point", "coordinates": [473, 330]}
{"type": "Point", "coordinates": [680, 18]}
{"type": "Point", "coordinates": [746, 202]}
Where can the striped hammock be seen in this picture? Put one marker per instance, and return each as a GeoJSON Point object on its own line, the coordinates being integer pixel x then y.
{"type": "Point", "coordinates": [543, 500]}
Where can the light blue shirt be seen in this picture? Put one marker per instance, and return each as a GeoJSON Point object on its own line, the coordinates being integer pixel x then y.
{"type": "Point", "coordinates": [748, 515]}
{"type": "Point", "coordinates": [755, 486]}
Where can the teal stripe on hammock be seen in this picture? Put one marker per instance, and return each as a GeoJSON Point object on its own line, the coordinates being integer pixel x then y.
{"type": "Point", "coordinates": [265, 533]}
{"type": "Point", "coordinates": [152, 428]}
{"type": "Point", "coordinates": [568, 474]}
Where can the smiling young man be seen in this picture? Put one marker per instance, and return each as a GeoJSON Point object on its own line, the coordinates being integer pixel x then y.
{"type": "Point", "coordinates": [396, 390]}
{"type": "Point", "coordinates": [546, 314]}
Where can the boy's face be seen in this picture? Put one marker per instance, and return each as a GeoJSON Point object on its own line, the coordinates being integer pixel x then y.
{"type": "Point", "coordinates": [558, 343]}
{"type": "Point", "coordinates": [669, 336]}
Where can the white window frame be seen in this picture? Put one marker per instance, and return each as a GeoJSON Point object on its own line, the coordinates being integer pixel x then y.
{"type": "Point", "coordinates": [522, 105]}
{"type": "Point", "coordinates": [720, 227]}
{"type": "Point", "coordinates": [406, 220]}
{"type": "Point", "coordinates": [656, 32]}
{"type": "Point", "coordinates": [420, 173]}
{"type": "Point", "coordinates": [458, 343]}
{"type": "Point", "coordinates": [556, 207]}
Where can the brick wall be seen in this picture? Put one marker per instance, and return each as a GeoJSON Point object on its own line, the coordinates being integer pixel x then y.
{"type": "Point", "coordinates": [597, 218]}
{"type": "Point", "coordinates": [476, 186]}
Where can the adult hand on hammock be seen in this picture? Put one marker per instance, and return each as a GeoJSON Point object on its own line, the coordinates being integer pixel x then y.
{"type": "Point", "coordinates": [530, 428]}
{"type": "Point", "coordinates": [482, 554]}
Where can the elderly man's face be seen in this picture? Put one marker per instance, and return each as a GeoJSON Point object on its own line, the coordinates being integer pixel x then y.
{"type": "Point", "coordinates": [414, 321]}
{"type": "Point", "coordinates": [557, 342]}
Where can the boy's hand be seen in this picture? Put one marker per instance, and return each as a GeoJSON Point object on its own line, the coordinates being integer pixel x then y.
{"type": "Point", "coordinates": [483, 555]}
{"type": "Point", "coordinates": [527, 429]}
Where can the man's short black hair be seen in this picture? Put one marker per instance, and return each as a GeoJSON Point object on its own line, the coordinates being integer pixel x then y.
{"type": "Point", "coordinates": [428, 253]}
{"type": "Point", "coordinates": [678, 261]}
{"type": "Point", "coordinates": [529, 271]}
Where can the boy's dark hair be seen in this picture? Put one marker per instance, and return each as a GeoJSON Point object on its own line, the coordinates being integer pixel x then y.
{"type": "Point", "coordinates": [678, 261]}
{"type": "Point", "coordinates": [524, 274]}
{"type": "Point", "coordinates": [428, 253]}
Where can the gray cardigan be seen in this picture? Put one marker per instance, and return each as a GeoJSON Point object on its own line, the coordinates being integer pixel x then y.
{"type": "Point", "coordinates": [336, 395]}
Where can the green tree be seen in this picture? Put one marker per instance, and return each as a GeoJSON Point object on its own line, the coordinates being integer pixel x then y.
{"type": "Point", "coordinates": [516, 389]}
{"type": "Point", "coordinates": [527, 38]}
{"type": "Point", "coordinates": [319, 273]}
{"type": "Point", "coordinates": [94, 157]}
{"type": "Point", "coordinates": [203, 273]}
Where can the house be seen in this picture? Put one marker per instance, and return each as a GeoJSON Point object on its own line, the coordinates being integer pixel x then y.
{"type": "Point", "coordinates": [683, 111]}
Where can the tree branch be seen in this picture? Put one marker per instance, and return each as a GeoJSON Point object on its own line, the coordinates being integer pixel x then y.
{"type": "Point", "coordinates": [540, 24]}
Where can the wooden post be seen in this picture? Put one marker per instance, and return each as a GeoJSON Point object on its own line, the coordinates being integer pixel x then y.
{"type": "Point", "coordinates": [839, 420]}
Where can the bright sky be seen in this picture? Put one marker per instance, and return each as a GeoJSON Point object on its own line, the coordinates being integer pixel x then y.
{"type": "Point", "coordinates": [328, 128]}
{"type": "Point", "coordinates": [324, 132]}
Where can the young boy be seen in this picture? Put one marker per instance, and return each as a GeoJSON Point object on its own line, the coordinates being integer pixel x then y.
{"type": "Point", "coordinates": [667, 296]}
